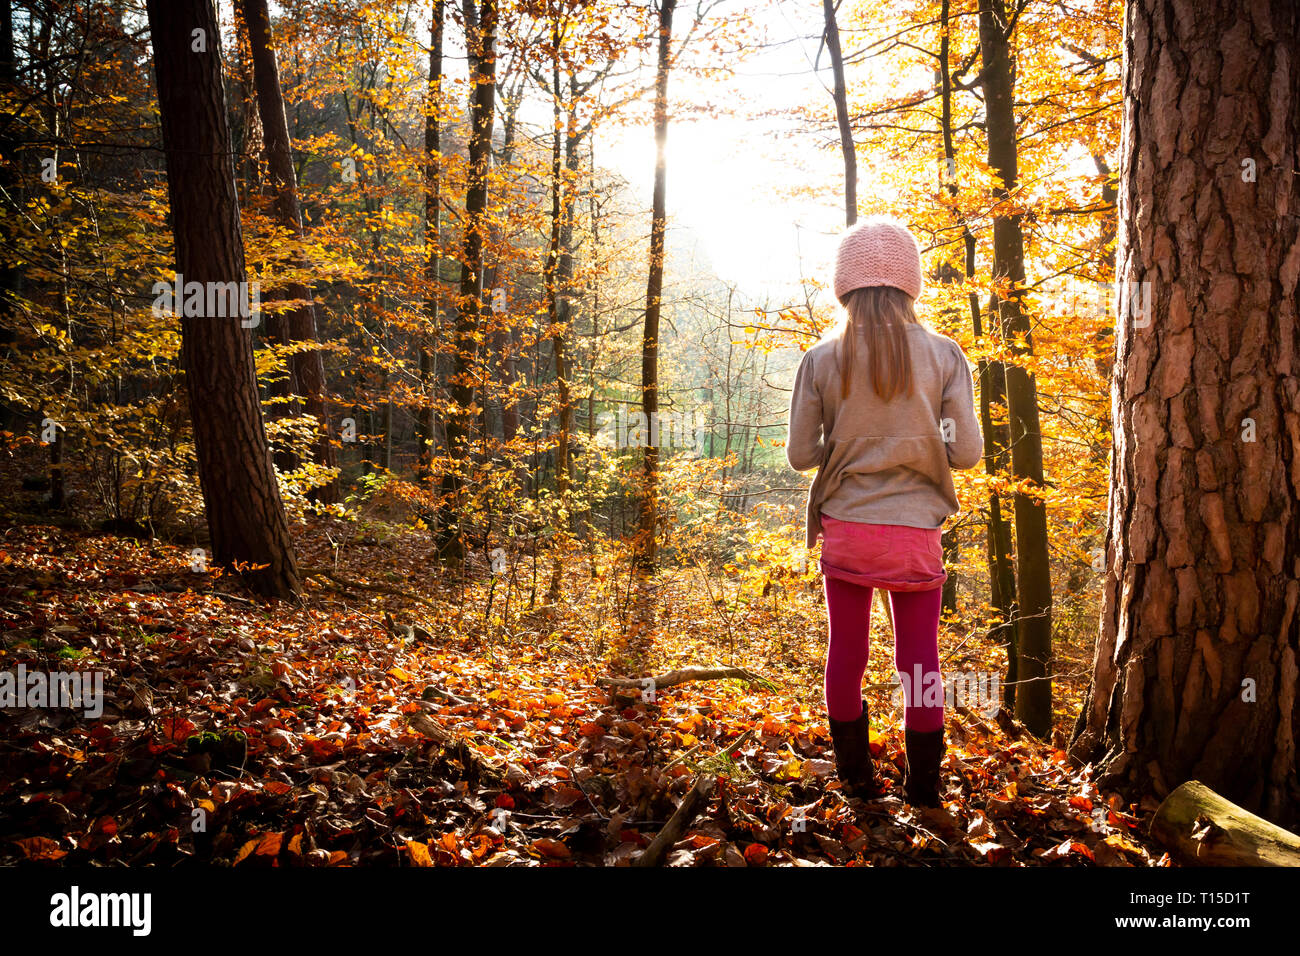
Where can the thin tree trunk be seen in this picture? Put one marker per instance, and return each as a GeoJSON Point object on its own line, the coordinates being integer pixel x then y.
{"type": "Point", "coordinates": [1033, 569]}
{"type": "Point", "coordinates": [308, 365]}
{"type": "Point", "coordinates": [565, 300]}
{"type": "Point", "coordinates": [989, 375]}
{"type": "Point", "coordinates": [505, 336]}
{"type": "Point", "coordinates": [241, 497]}
{"type": "Point", "coordinates": [480, 27]}
{"type": "Point", "coordinates": [842, 115]}
{"type": "Point", "coordinates": [648, 518]}
{"type": "Point", "coordinates": [10, 276]}
{"type": "Point", "coordinates": [556, 290]}
{"type": "Point", "coordinates": [432, 247]}
{"type": "Point", "coordinates": [992, 390]}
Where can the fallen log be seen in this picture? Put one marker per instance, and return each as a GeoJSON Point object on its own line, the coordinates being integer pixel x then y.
{"type": "Point", "coordinates": [686, 810]}
{"type": "Point", "coordinates": [684, 814]}
{"type": "Point", "coordinates": [684, 675]}
{"type": "Point", "coordinates": [1201, 828]}
{"type": "Point", "coordinates": [456, 746]}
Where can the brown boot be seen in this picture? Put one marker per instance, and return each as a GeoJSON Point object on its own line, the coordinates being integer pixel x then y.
{"type": "Point", "coordinates": [852, 742]}
{"type": "Point", "coordinates": [924, 752]}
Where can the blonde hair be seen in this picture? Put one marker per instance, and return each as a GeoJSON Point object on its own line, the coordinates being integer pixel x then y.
{"type": "Point", "coordinates": [882, 314]}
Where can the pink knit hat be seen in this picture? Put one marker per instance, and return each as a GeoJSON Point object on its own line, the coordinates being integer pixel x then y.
{"type": "Point", "coordinates": [879, 250]}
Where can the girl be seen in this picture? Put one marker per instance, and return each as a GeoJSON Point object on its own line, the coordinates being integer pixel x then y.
{"type": "Point", "coordinates": [883, 407]}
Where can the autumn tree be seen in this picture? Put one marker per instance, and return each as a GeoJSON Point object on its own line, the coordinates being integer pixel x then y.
{"type": "Point", "coordinates": [308, 368]}
{"type": "Point", "coordinates": [246, 518]}
{"type": "Point", "coordinates": [1033, 568]}
{"type": "Point", "coordinates": [1195, 672]}
{"type": "Point", "coordinates": [432, 240]}
{"type": "Point", "coordinates": [831, 37]}
{"type": "Point", "coordinates": [480, 33]}
{"type": "Point", "coordinates": [649, 504]}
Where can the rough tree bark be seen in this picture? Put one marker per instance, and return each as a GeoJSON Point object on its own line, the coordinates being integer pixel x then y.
{"type": "Point", "coordinates": [1033, 569]}
{"type": "Point", "coordinates": [1195, 669]}
{"type": "Point", "coordinates": [246, 517]}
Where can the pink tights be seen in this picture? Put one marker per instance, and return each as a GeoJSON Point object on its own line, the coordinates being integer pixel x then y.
{"type": "Point", "coordinates": [916, 651]}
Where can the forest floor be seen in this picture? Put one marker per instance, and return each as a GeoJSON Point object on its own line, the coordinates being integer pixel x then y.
{"type": "Point", "coordinates": [398, 717]}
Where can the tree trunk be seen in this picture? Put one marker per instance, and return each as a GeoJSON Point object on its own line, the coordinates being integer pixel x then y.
{"type": "Point", "coordinates": [551, 275]}
{"type": "Point", "coordinates": [842, 115]}
{"type": "Point", "coordinates": [992, 389]}
{"type": "Point", "coordinates": [9, 275]}
{"type": "Point", "coordinates": [648, 517]}
{"type": "Point", "coordinates": [246, 517]}
{"type": "Point", "coordinates": [308, 366]}
{"type": "Point", "coordinates": [480, 28]}
{"type": "Point", "coordinates": [282, 387]}
{"type": "Point", "coordinates": [505, 334]}
{"type": "Point", "coordinates": [1195, 671]}
{"type": "Point", "coordinates": [432, 248]}
{"type": "Point", "coordinates": [560, 264]}
{"type": "Point", "coordinates": [1033, 570]}
{"type": "Point", "coordinates": [1001, 552]}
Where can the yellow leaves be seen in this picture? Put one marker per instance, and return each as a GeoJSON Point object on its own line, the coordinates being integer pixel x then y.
{"type": "Point", "coordinates": [57, 335]}
{"type": "Point", "coordinates": [418, 853]}
{"type": "Point", "coordinates": [876, 741]}
{"type": "Point", "coordinates": [792, 769]}
{"type": "Point", "coordinates": [1120, 842]}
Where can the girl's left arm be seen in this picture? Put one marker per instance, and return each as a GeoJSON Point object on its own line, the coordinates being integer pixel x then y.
{"type": "Point", "coordinates": [967, 447]}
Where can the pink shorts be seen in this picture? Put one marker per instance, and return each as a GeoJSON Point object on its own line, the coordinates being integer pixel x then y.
{"type": "Point", "coordinates": [892, 557]}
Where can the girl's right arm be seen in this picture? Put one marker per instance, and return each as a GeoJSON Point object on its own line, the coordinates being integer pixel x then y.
{"type": "Point", "coordinates": [803, 444]}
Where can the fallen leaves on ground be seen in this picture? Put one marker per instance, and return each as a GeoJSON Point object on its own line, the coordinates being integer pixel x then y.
{"type": "Point", "coordinates": [246, 734]}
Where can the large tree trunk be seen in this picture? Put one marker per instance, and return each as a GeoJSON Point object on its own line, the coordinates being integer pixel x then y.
{"type": "Point", "coordinates": [246, 517]}
{"type": "Point", "coordinates": [1195, 670]}
{"type": "Point", "coordinates": [308, 366]}
{"type": "Point", "coordinates": [840, 93]}
{"type": "Point", "coordinates": [1033, 570]}
{"type": "Point", "coordinates": [480, 28]}
{"type": "Point", "coordinates": [648, 516]}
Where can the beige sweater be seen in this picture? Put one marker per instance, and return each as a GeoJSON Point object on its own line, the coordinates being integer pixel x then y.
{"type": "Point", "coordinates": [884, 462]}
